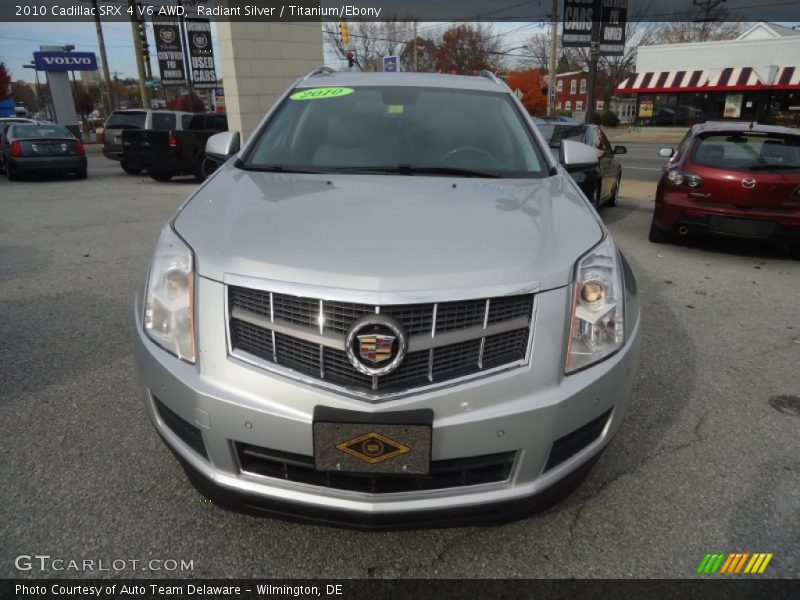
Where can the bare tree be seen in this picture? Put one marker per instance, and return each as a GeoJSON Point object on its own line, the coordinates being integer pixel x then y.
{"type": "Point", "coordinates": [683, 32]}
{"type": "Point", "coordinates": [369, 41]}
{"type": "Point", "coordinates": [715, 25]}
{"type": "Point", "coordinates": [536, 51]}
{"type": "Point", "coordinates": [637, 34]}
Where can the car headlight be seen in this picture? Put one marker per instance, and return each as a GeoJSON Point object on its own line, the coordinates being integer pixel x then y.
{"type": "Point", "coordinates": [169, 298]}
{"type": "Point", "coordinates": [597, 329]}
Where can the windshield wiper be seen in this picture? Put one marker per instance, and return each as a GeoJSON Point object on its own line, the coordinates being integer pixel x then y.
{"type": "Point", "coordinates": [765, 167]}
{"type": "Point", "coordinates": [409, 170]}
{"type": "Point", "coordinates": [278, 169]}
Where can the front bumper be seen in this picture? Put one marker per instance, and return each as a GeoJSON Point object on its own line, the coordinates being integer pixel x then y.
{"type": "Point", "coordinates": [523, 411]}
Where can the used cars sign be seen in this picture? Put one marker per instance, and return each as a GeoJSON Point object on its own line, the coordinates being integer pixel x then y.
{"type": "Point", "coordinates": [65, 61]}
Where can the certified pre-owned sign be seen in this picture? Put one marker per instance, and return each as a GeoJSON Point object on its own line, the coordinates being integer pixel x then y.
{"type": "Point", "coordinates": [65, 61]}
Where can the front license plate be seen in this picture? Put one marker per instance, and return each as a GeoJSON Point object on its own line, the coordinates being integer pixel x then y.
{"type": "Point", "coordinates": [394, 443]}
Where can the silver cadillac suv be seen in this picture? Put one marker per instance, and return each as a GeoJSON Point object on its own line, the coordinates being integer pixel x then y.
{"type": "Point", "coordinates": [391, 307]}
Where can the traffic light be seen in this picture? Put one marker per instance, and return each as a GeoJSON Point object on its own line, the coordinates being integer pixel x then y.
{"type": "Point", "coordinates": [344, 33]}
{"type": "Point", "coordinates": [141, 30]}
{"type": "Point", "coordinates": [350, 60]}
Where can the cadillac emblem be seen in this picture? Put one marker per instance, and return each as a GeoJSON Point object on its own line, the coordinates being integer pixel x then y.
{"type": "Point", "coordinates": [167, 35]}
{"type": "Point", "coordinates": [376, 344]}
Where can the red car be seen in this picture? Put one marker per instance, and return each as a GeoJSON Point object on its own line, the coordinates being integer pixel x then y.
{"type": "Point", "coordinates": [736, 180]}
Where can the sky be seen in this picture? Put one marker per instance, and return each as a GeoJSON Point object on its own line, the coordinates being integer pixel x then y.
{"type": "Point", "coordinates": [18, 42]}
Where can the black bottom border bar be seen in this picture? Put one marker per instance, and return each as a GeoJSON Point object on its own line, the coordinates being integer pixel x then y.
{"type": "Point", "coordinates": [397, 589]}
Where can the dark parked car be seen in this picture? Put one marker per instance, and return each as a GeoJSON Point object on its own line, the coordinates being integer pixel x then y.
{"type": "Point", "coordinates": [164, 154]}
{"type": "Point", "coordinates": [138, 118]}
{"type": "Point", "coordinates": [600, 183]}
{"type": "Point", "coordinates": [41, 147]}
{"type": "Point", "coordinates": [734, 180]}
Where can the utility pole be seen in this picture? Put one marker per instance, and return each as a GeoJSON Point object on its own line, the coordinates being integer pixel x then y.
{"type": "Point", "coordinates": [116, 88]}
{"type": "Point", "coordinates": [551, 85]}
{"type": "Point", "coordinates": [415, 46]}
{"type": "Point", "coordinates": [137, 48]}
{"type": "Point", "coordinates": [103, 57]}
{"type": "Point", "coordinates": [597, 17]}
{"type": "Point", "coordinates": [186, 56]}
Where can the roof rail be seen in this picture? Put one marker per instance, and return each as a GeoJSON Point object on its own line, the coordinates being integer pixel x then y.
{"type": "Point", "coordinates": [493, 77]}
{"type": "Point", "coordinates": [320, 71]}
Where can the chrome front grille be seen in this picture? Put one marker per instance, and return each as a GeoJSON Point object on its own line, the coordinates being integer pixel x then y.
{"type": "Point", "coordinates": [447, 340]}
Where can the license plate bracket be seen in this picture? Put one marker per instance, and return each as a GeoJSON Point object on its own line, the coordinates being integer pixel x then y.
{"type": "Point", "coordinates": [742, 227]}
{"type": "Point", "coordinates": [396, 443]}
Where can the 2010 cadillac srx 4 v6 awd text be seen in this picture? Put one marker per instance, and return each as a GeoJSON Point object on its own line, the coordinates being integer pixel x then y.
{"type": "Point", "coordinates": [391, 307]}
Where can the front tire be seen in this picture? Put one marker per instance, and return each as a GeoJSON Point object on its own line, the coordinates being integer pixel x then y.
{"type": "Point", "coordinates": [597, 198]}
{"type": "Point", "coordinates": [658, 236]}
{"type": "Point", "coordinates": [615, 196]}
{"type": "Point", "coordinates": [203, 168]}
{"type": "Point", "coordinates": [160, 175]}
{"type": "Point", "coordinates": [129, 170]}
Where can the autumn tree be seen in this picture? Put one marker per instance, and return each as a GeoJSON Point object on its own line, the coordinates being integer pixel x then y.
{"type": "Point", "coordinates": [84, 103]}
{"type": "Point", "coordinates": [427, 52]}
{"type": "Point", "coordinates": [530, 83]}
{"type": "Point", "coordinates": [468, 48]}
{"type": "Point", "coordinates": [25, 95]}
{"type": "Point", "coordinates": [5, 82]}
{"type": "Point", "coordinates": [188, 102]}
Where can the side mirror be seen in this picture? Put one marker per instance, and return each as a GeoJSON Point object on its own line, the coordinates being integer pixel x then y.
{"type": "Point", "coordinates": [666, 152]}
{"type": "Point", "coordinates": [221, 146]}
{"type": "Point", "coordinates": [576, 156]}
{"type": "Point", "coordinates": [620, 150]}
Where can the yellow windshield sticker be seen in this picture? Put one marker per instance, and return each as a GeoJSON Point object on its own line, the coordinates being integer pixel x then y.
{"type": "Point", "coordinates": [318, 93]}
{"type": "Point", "coordinates": [396, 109]}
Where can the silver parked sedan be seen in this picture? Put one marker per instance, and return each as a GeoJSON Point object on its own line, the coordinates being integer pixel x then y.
{"type": "Point", "coordinates": [391, 307]}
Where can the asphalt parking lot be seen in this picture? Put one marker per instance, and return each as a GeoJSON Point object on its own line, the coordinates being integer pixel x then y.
{"type": "Point", "coordinates": [706, 461]}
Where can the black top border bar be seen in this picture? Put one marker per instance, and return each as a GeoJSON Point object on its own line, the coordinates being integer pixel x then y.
{"type": "Point", "coordinates": [522, 11]}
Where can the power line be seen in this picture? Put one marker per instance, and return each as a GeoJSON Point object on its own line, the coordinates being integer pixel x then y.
{"type": "Point", "coordinates": [22, 39]}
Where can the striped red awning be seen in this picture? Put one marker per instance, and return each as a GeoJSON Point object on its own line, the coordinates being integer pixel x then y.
{"type": "Point", "coordinates": [713, 80]}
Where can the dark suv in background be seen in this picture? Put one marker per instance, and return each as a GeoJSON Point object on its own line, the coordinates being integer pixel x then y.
{"type": "Point", "coordinates": [138, 118]}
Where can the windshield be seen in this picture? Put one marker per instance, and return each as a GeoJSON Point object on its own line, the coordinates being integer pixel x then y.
{"type": "Point", "coordinates": [398, 129]}
{"type": "Point", "coordinates": [748, 151]}
{"type": "Point", "coordinates": [40, 131]}
{"type": "Point", "coordinates": [555, 134]}
{"type": "Point", "coordinates": [126, 120]}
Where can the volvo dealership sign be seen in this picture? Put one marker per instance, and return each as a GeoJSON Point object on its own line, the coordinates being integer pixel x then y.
{"type": "Point", "coordinates": [65, 61]}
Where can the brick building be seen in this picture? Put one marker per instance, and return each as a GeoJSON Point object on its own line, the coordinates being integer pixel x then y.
{"type": "Point", "coordinates": [572, 92]}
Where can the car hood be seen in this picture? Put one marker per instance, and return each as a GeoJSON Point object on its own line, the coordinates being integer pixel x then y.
{"type": "Point", "coordinates": [387, 233]}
